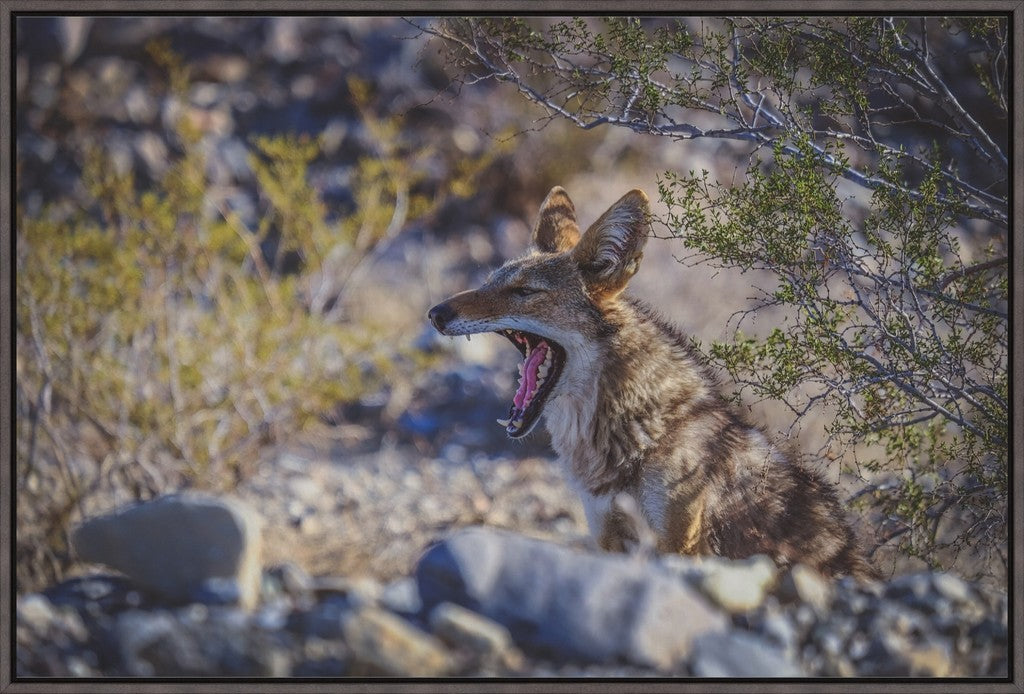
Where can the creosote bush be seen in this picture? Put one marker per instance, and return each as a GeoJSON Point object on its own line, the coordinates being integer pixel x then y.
{"type": "Point", "coordinates": [875, 192]}
{"type": "Point", "coordinates": [161, 342]}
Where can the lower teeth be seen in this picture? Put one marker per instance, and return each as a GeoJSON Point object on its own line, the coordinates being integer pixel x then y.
{"type": "Point", "coordinates": [515, 423]}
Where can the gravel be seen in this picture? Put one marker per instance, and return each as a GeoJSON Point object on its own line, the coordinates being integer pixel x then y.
{"type": "Point", "coordinates": [486, 602]}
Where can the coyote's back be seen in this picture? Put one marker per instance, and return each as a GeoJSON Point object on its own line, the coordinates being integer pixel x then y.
{"type": "Point", "coordinates": [631, 409]}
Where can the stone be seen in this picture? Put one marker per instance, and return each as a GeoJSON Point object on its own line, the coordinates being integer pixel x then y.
{"type": "Point", "coordinates": [35, 612]}
{"type": "Point", "coordinates": [401, 596]}
{"type": "Point", "coordinates": [217, 590]}
{"type": "Point", "coordinates": [739, 586]}
{"type": "Point", "coordinates": [738, 654]}
{"type": "Point", "coordinates": [458, 626]}
{"type": "Point", "coordinates": [74, 33]}
{"type": "Point", "coordinates": [291, 579]}
{"type": "Point", "coordinates": [140, 106]}
{"type": "Point", "coordinates": [916, 585]}
{"type": "Point", "coordinates": [323, 620]}
{"type": "Point", "coordinates": [779, 629]}
{"type": "Point", "coordinates": [381, 643]}
{"type": "Point", "coordinates": [174, 545]}
{"type": "Point", "coordinates": [844, 668]}
{"type": "Point", "coordinates": [357, 592]}
{"type": "Point", "coordinates": [803, 584]}
{"type": "Point", "coordinates": [930, 660]}
{"type": "Point", "coordinates": [226, 68]}
{"type": "Point", "coordinates": [905, 622]}
{"type": "Point", "coordinates": [951, 587]}
{"type": "Point", "coordinates": [306, 490]}
{"type": "Point", "coordinates": [883, 657]}
{"type": "Point", "coordinates": [155, 644]}
{"type": "Point", "coordinates": [152, 151]}
{"type": "Point", "coordinates": [566, 604]}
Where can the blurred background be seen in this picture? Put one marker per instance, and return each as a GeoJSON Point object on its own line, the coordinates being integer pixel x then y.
{"type": "Point", "coordinates": [229, 232]}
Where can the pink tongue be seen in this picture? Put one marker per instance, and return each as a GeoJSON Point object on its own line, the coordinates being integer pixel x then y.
{"type": "Point", "coordinates": [529, 381]}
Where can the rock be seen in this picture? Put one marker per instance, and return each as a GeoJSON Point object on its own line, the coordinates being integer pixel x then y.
{"type": "Point", "coordinates": [152, 150]}
{"type": "Point", "coordinates": [458, 626]}
{"type": "Point", "coordinates": [844, 668]}
{"type": "Point", "coordinates": [96, 593]}
{"type": "Point", "coordinates": [306, 490]}
{"type": "Point", "coordinates": [882, 657]}
{"type": "Point", "coordinates": [35, 612]}
{"type": "Point", "coordinates": [402, 596]}
{"type": "Point", "coordinates": [779, 629]}
{"type": "Point", "coordinates": [173, 544]}
{"type": "Point", "coordinates": [384, 644]}
{"type": "Point", "coordinates": [291, 579]}
{"type": "Point", "coordinates": [323, 620]}
{"type": "Point", "coordinates": [851, 603]}
{"type": "Point", "coordinates": [803, 584]}
{"type": "Point", "coordinates": [905, 622]}
{"type": "Point", "coordinates": [357, 592]}
{"type": "Point", "coordinates": [74, 32]}
{"type": "Point", "coordinates": [738, 654]}
{"type": "Point", "coordinates": [155, 644]}
{"type": "Point", "coordinates": [217, 590]}
{"type": "Point", "coordinates": [739, 586]}
{"type": "Point", "coordinates": [951, 587]}
{"type": "Point", "coordinates": [226, 68]}
{"type": "Point", "coordinates": [929, 660]}
{"type": "Point", "coordinates": [141, 107]}
{"type": "Point", "coordinates": [566, 604]}
{"type": "Point", "coordinates": [273, 617]}
{"type": "Point", "coordinates": [916, 585]}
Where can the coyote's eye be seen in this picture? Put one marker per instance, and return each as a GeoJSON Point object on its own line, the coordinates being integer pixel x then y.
{"type": "Point", "coordinates": [524, 291]}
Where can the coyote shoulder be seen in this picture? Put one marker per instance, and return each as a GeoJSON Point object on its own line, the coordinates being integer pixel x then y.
{"type": "Point", "coordinates": [631, 408]}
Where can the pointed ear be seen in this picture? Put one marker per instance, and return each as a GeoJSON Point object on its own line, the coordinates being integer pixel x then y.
{"type": "Point", "coordinates": [610, 252]}
{"type": "Point", "coordinates": [556, 229]}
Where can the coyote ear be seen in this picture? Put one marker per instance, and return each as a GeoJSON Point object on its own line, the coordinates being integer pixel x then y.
{"type": "Point", "coordinates": [556, 229]}
{"type": "Point", "coordinates": [610, 252]}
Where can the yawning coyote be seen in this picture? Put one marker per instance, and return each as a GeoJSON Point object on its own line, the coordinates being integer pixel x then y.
{"type": "Point", "coordinates": [631, 409]}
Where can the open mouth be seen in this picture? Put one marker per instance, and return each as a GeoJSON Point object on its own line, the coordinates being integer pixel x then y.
{"type": "Point", "coordinates": [542, 365]}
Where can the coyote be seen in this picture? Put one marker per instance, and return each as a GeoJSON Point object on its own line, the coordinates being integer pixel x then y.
{"type": "Point", "coordinates": [631, 408]}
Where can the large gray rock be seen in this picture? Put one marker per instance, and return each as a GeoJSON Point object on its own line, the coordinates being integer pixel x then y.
{"type": "Point", "coordinates": [567, 604]}
{"type": "Point", "coordinates": [183, 547]}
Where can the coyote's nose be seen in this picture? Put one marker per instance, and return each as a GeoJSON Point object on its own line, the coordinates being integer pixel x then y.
{"type": "Point", "coordinates": [441, 315]}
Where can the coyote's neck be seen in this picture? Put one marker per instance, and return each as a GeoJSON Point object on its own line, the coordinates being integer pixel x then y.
{"type": "Point", "coordinates": [615, 401]}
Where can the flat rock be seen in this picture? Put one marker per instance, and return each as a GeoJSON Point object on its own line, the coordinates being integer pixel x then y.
{"type": "Point", "coordinates": [381, 643]}
{"type": "Point", "coordinates": [461, 627]}
{"type": "Point", "coordinates": [178, 546]}
{"type": "Point", "coordinates": [565, 604]}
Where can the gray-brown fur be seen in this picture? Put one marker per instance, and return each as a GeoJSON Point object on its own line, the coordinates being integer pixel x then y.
{"type": "Point", "coordinates": [662, 422]}
{"type": "Point", "coordinates": [635, 411]}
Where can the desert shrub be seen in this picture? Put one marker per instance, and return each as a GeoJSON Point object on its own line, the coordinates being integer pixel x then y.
{"type": "Point", "coordinates": [161, 342]}
{"type": "Point", "coordinates": [875, 191]}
